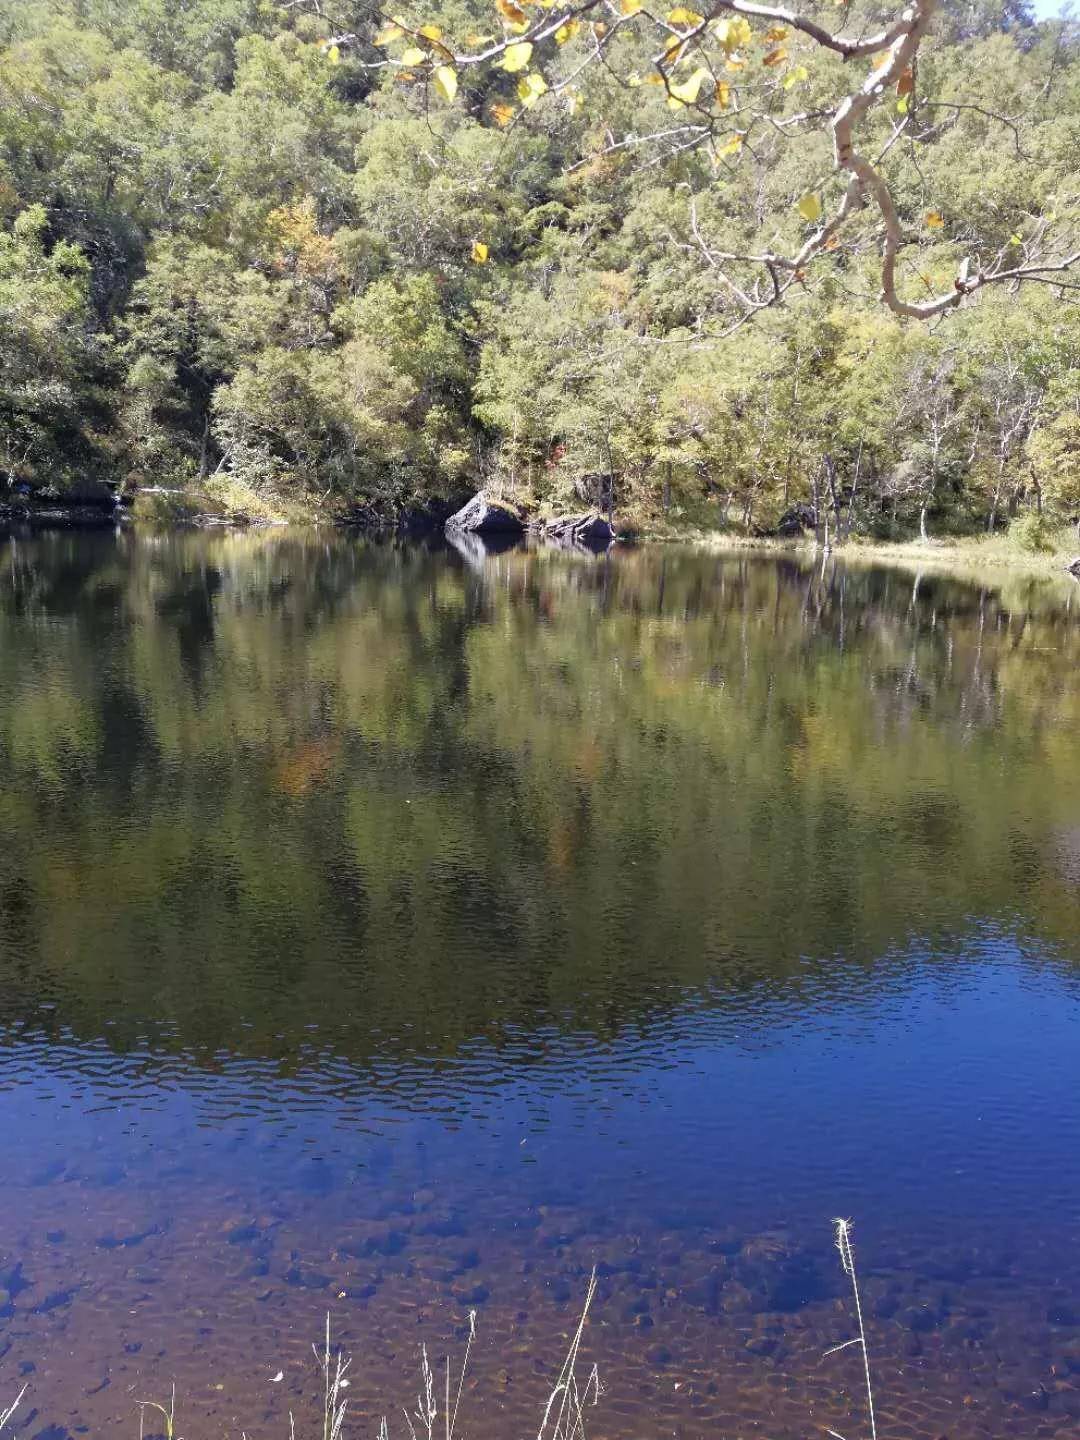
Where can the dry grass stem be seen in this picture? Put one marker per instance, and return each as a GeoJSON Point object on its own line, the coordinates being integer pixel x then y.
{"type": "Point", "coordinates": [5, 1415]}
{"type": "Point", "coordinates": [847, 1259]}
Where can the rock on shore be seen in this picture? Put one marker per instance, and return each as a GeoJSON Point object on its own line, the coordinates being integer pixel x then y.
{"type": "Point", "coordinates": [482, 516]}
{"type": "Point", "coordinates": [589, 529]}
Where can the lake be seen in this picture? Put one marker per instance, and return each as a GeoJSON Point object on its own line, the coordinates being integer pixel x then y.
{"type": "Point", "coordinates": [399, 933]}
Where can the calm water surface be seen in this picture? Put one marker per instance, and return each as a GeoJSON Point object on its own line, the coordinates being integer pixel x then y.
{"type": "Point", "coordinates": [403, 933]}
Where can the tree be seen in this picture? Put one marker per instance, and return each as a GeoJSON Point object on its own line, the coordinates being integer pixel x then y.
{"type": "Point", "coordinates": [47, 352]}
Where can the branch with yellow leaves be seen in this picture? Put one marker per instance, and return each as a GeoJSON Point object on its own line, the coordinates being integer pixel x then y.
{"type": "Point", "coordinates": [895, 49]}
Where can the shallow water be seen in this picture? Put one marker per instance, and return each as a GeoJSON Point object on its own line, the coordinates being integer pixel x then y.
{"type": "Point", "coordinates": [403, 933]}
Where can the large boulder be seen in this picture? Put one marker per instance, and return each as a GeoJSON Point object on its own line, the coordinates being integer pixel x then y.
{"type": "Point", "coordinates": [482, 516]}
{"type": "Point", "coordinates": [795, 522]}
{"type": "Point", "coordinates": [589, 530]}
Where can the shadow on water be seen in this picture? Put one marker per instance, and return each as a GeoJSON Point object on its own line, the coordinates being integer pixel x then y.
{"type": "Point", "coordinates": [407, 930]}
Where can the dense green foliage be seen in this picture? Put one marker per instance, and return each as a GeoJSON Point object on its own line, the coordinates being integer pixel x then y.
{"type": "Point", "coordinates": [236, 256]}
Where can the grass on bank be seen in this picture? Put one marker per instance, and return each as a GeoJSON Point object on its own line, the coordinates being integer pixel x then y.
{"type": "Point", "coordinates": [1048, 552]}
{"type": "Point", "coordinates": [564, 1412]}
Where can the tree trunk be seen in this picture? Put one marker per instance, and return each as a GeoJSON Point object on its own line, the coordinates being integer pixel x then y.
{"type": "Point", "coordinates": [854, 491]}
{"type": "Point", "coordinates": [666, 498]}
{"type": "Point", "coordinates": [923, 533]}
{"type": "Point", "coordinates": [204, 449]}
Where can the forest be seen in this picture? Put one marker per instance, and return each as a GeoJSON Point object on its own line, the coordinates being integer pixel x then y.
{"type": "Point", "coordinates": [308, 258]}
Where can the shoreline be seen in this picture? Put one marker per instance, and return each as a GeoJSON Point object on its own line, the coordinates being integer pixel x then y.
{"type": "Point", "coordinates": [970, 554]}
{"type": "Point", "coordinates": [973, 554]}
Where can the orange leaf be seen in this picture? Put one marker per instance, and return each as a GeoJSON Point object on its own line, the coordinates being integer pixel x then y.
{"type": "Point", "coordinates": [775, 57]}
{"type": "Point", "coordinates": [502, 114]}
{"type": "Point", "coordinates": [906, 82]}
{"type": "Point", "coordinates": [511, 12]}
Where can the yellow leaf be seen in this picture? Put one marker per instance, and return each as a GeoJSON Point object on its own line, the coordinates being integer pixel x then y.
{"type": "Point", "coordinates": [413, 56]}
{"type": "Point", "coordinates": [879, 60]}
{"type": "Point", "coordinates": [430, 32]}
{"type": "Point", "coordinates": [732, 147]}
{"type": "Point", "coordinates": [512, 13]}
{"type": "Point", "coordinates": [809, 207]}
{"type": "Point", "coordinates": [775, 57]}
{"type": "Point", "coordinates": [479, 252]}
{"type": "Point", "coordinates": [333, 54]}
{"type": "Point", "coordinates": [1015, 239]}
{"type": "Point", "coordinates": [653, 79]}
{"type": "Point", "coordinates": [530, 87]}
{"type": "Point", "coordinates": [723, 94]}
{"type": "Point", "coordinates": [502, 114]}
{"type": "Point", "coordinates": [733, 34]}
{"type": "Point", "coordinates": [574, 101]}
{"type": "Point", "coordinates": [934, 219]}
{"type": "Point", "coordinates": [687, 92]}
{"type": "Point", "coordinates": [902, 104]}
{"type": "Point", "coordinates": [517, 57]}
{"type": "Point", "coordinates": [682, 16]}
{"type": "Point", "coordinates": [734, 63]}
{"type": "Point", "coordinates": [446, 82]}
{"type": "Point", "coordinates": [567, 32]}
{"type": "Point", "coordinates": [630, 7]}
{"type": "Point", "coordinates": [775, 33]}
{"type": "Point", "coordinates": [795, 76]}
{"type": "Point", "coordinates": [633, 80]}
{"type": "Point", "coordinates": [387, 34]}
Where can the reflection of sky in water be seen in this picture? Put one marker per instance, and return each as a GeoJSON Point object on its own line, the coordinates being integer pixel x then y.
{"type": "Point", "coordinates": [946, 1095]}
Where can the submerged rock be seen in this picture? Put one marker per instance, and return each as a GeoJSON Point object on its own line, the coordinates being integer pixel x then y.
{"type": "Point", "coordinates": [482, 516]}
{"type": "Point", "coordinates": [779, 1275]}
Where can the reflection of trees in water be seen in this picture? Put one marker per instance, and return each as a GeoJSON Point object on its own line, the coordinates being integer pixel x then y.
{"type": "Point", "coordinates": [289, 781]}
